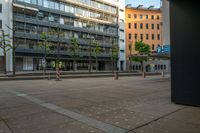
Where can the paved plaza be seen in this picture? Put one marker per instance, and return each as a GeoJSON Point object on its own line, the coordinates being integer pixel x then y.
{"type": "Point", "coordinates": [94, 105]}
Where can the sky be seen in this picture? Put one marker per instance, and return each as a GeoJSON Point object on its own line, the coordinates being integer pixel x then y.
{"type": "Point", "coordinates": [146, 3]}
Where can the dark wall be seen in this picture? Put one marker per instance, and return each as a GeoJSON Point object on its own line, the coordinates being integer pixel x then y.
{"type": "Point", "coordinates": [185, 52]}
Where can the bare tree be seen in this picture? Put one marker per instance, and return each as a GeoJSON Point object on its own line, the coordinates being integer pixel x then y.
{"type": "Point", "coordinates": [5, 45]}
{"type": "Point", "coordinates": [13, 47]}
{"type": "Point", "coordinates": [97, 50]}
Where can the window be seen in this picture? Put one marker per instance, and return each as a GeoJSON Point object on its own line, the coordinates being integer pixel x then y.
{"type": "Point", "coordinates": [153, 36]}
{"type": "Point", "coordinates": [158, 26]}
{"type": "Point", "coordinates": [0, 24]}
{"type": "Point", "coordinates": [136, 37]}
{"type": "Point", "coordinates": [152, 26]}
{"type": "Point", "coordinates": [135, 25]}
{"type": "Point", "coordinates": [147, 36]}
{"type": "Point", "coordinates": [121, 10]}
{"type": "Point", "coordinates": [147, 16]}
{"type": "Point", "coordinates": [121, 40]}
{"type": "Point", "coordinates": [129, 15]}
{"type": "Point", "coordinates": [158, 17]}
{"type": "Point", "coordinates": [129, 25]}
{"type": "Point", "coordinates": [147, 26]}
{"type": "Point", "coordinates": [153, 47]}
{"type": "Point", "coordinates": [121, 50]}
{"type": "Point", "coordinates": [135, 16]}
{"type": "Point", "coordinates": [129, 36]}
{"type": "Point", "coordinates": [141, 25]}
{"type": "Point", "coordinates": [121, 30]}
{"type": "Point", "coordinates": [165, 67]}
{"type": "Point", "coordinates": [141, 36]}
{"type": "Point", "coordinates": [121, 20]}
{"type": "Point", "coordinates": [158, 36]}
{"type": "Point", "coordinates": [0, 8]}
{"type": "Point", "coordinates": [141, 16]}
{"type": "Point", "coordinates": [152, 16]}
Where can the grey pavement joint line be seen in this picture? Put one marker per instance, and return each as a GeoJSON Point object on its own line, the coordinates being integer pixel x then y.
{"type": "Point", "coordinates": [4, 121]}
{"type": "Point", "coordinates": [157, 119]}
{"type": "Point", "coordinates": [81, 118]}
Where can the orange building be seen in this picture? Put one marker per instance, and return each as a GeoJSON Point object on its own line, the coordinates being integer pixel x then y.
{"type": "Point", "coordinates": [143, 24]}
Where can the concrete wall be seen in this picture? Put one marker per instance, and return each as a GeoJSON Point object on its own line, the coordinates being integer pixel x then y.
{"type": "Point", "coordinates": [185, 47]}
{"type": "Point", "coordinates": [165, 22]}
{"type": "Point", "coordinates": [122, 45]}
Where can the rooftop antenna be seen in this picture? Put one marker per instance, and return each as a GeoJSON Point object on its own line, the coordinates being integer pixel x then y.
{"type": "Point", "coordinates": [139, 6]}
{"type": "Point", "coordinates": [129, 5]}
{"type": "Point", "coordinates": [151, 7]}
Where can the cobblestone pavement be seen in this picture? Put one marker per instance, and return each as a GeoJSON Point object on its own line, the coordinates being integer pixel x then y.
{"type": "Point", "coordinates": [94, 105]}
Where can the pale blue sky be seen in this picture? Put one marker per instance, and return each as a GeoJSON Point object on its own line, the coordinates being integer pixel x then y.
{"type": "Point", "coordinates": [146, 3]}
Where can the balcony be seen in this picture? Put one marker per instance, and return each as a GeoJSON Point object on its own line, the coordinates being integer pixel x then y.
{"type": "Point", "coordinates": [63, 53]}
{"type": "Point", "coordinates": [33, 20]}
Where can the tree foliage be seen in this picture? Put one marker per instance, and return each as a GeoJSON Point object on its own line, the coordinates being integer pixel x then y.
{"type": "Point", "coordinates": [74, 47]}
{"type": "Point", "coordinates": [97, 48]}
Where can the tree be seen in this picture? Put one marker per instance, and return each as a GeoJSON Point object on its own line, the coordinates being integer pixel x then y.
{"type": "Point", "coordinates": [74, 50]}
{"type": "Point", "coordinates": [45, 45]}
{"type": "Point", "coordinates": [114, 56]}
{"type": "Point", "coordinates": [143, 54]}
{"type": "Point", "coordinates": [57, 33]}
{"type": "Point", "coordinates": [130, 49]}
{"type": "Point", "coordinates": [97, 50]}
{"type": "Point", "coordinates": [5, 45]}
{"type": "Point", "coordinates": [14, 46]}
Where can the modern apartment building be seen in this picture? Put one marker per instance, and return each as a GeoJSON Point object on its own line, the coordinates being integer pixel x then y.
{"type": "Point", "coordinates": [144, 24]}
{"type": "Point", "coordinates": [86, 20]}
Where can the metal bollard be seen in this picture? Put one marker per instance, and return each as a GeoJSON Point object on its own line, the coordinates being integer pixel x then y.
{"type": "Point", "coordinates": [57, 75]}
{"type": "Point", "coordinates": [163, 74]}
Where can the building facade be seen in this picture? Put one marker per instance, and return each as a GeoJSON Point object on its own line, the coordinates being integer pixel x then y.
{"type": "Point", "coordinates": [166, 23]}
{"type": "Point", "coordinates": [6, 19]}
{"type": "Point", "coordinates": [144, 24]}
{"type": "Point", "coordinates": [85, 20]}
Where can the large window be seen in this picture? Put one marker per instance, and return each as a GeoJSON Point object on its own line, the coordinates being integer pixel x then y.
{"type": "Point", "coordinates": [158, 26]}
{"type": "Point", "coordinates": [147, 26]}
{"type": "Point", "coordinates": [129, 25]}
{"type": "Point", "coordinates": [147, 36]}
{"type": "Point", "coordinates": [136, 36]}
{"type": "Point", "coordinates": [158, 36]}
{"type": "Point", "coordinates": [153, 36]}
{"type": "Point", "coordinates": [129, 36]}
{"type": "Point", "coordinates": [135, 25]}
{"type": "Point", "coordinates": [152, 26]}
{"type": "Point", "coordinates": [141, 25]}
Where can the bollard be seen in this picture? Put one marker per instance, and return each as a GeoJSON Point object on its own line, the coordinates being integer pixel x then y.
{"type": "Point", "coordinates": [163, 74]}
{"type": "Point", "coordinates": [116, 76]}
{"type": "Point", "coordinates": [57, 75]}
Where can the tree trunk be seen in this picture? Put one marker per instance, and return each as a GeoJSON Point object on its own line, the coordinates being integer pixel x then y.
{"type": "Point", "coordinates": [142, 69]}
{"type": "Point", "coordinates": [14, 60]}
{"type": "Point", "coordinates": [4, 61]}
{"type": "Point", "coordinates": [74, 62]}
{"type": "Point", "coordinates": [113, 67]}
{"type": "Point", "coordinates": [90, 59]}
{"type": "Point", "coordinates": [45, 57]}
{"type": "Point", "coordinates": [4, 51]}
{"type": "Point", "coordinates": [96, 65]}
